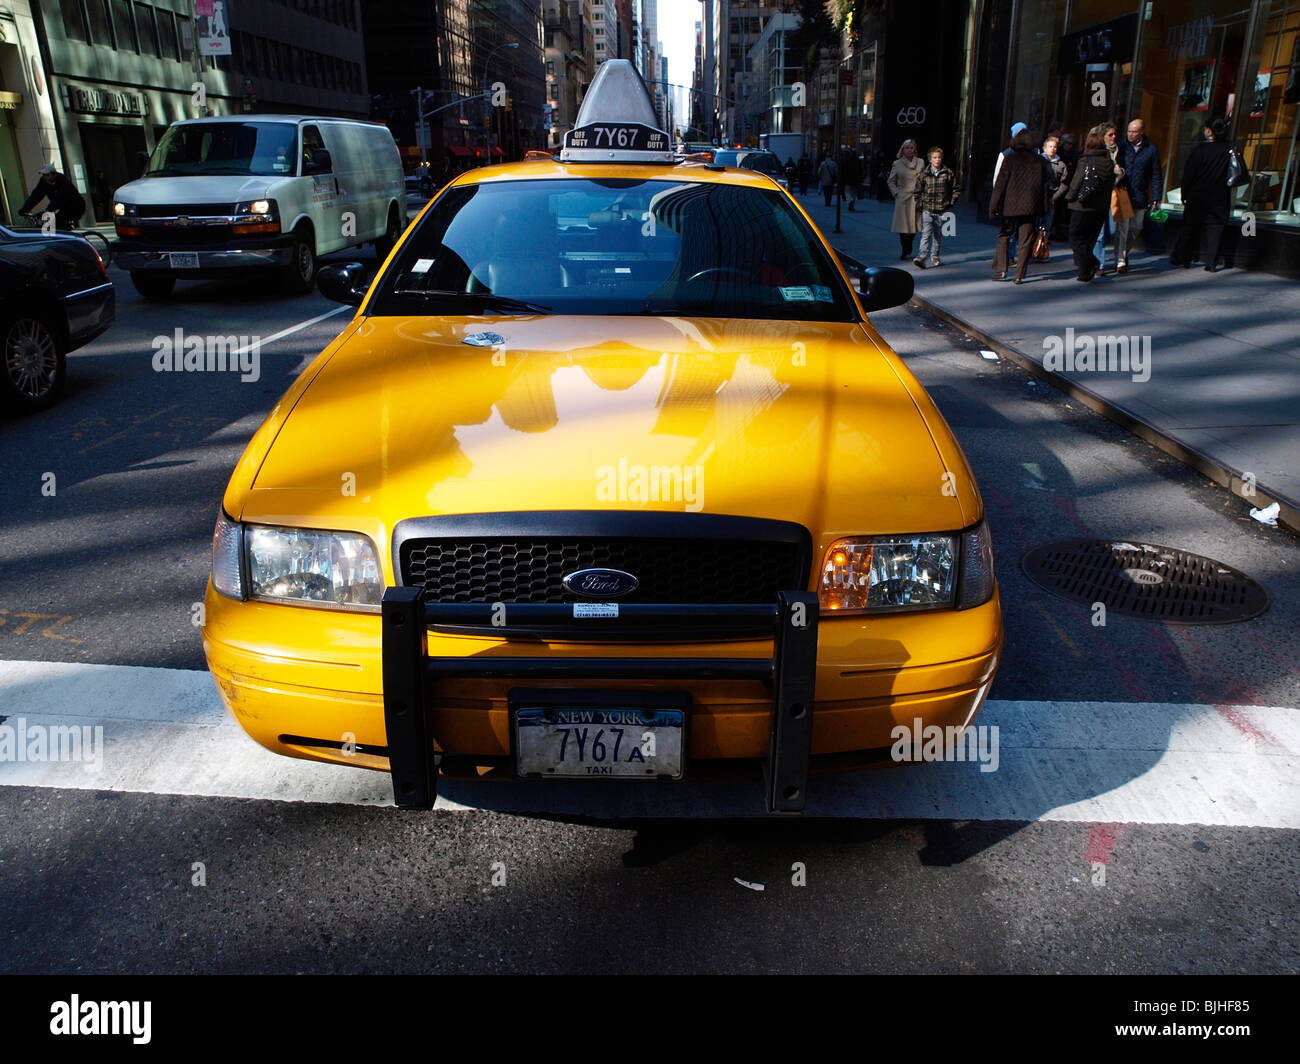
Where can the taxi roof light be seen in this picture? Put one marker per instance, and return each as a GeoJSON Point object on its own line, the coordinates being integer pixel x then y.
{"type": "Point", "coordinates": [616, 122]}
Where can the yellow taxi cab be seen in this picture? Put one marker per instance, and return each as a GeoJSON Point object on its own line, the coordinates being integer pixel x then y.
{"type": "Point", "coordinates": [609, 478]}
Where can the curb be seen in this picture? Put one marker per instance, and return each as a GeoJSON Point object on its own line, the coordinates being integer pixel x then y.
{"type": "Point", "coordinates": [1207, 465]}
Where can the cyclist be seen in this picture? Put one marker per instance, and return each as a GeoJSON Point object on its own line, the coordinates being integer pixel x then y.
{"type": "Point", "coordinates": [65, 201]}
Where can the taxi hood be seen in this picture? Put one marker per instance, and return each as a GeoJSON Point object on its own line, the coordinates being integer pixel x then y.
{"type": "Point", "coordinates": [816, 423]}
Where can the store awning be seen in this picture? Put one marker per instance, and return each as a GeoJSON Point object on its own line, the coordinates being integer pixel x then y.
{"type": "Point", "coordinates": [459, 150]}
{"type": "Point", "coordinates": [497, 151]}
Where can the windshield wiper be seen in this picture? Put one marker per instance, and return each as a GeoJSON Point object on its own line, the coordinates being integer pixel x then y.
{"type": "Point", "coordinates": [496, 302]}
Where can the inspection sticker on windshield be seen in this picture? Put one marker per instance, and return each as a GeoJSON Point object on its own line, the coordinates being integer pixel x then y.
{"type": "Point", "coordinates": [595, 609]}
{"type": "Point", "coordinates": [422, 266]}
{"type": "Point", "coordinates": [797, 294]}
{"type": "Point", "coordinates": [822, 294]}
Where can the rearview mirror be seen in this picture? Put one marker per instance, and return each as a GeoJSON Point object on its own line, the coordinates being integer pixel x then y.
{"type": "Point", "coordinates": [345, 282]}
{"type": "Point", "coordinates": [883, 287]}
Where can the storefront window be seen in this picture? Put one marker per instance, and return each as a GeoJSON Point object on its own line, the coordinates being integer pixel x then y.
{"type": "Point", "coordinates": [1269, 116]}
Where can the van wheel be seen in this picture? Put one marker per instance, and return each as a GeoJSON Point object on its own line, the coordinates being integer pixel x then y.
{"type": "Point", "coordinates": [300, 274]}
{"type": "Point", "coordinates": [153, 284]}
{"type": "Point", "coordinates": [392, 234]}
{"type": "Point", "coordinates": [32, 368]}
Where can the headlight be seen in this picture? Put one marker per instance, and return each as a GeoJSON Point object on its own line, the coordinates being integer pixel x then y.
{"type": "Point", "coordinates": [119, 209]}
{"type": "Point", "coordinates": [889, 573]}
{"type": "Point", "coordinates": [226, 551]}
{"type": "Point", "coordinates": [883, 573]}
{"type": "Point", "coordinates": [339, 570]}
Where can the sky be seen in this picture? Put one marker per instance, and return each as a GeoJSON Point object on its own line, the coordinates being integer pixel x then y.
{"type": "Point", "coordinates": [677, 20]}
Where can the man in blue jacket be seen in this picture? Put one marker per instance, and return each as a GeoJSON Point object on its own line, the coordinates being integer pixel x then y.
{"type": "Point", "coordinates": [1141, 163]}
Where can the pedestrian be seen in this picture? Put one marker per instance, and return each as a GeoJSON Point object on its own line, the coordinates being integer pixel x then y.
{"type": "Point", "coordinates": [826, 176]}
{"type": "Point", "coordinates": [851, 170]}
{"type": "Point", "coordinates": [1141, 163]}
{"type": "Point", "coordinates": [1059, 184]}
{"type": "Point", "coordinates": [790, 171]}
{"type": "Point", "coordinates": [936, 192]}
{"type": "Point", "coordinates": [902, 183]}
{"type": "Point", "coordinates": [1013, 249]}
{"type": "Point", "coordinates": [65, 202]}
{"type": "Point", "coordinates": [1088, 200]}
{"type": "Point", "coordinates": [1110, 141]}
{"type": "Point", "coordinates": [1206, 197]}
{"type": "Point", "coordinates": [805, 173]}
{"type": "Point", "coordinates": [1068, 151]}
{"type": "Point", "coordinates": [1020, 198]}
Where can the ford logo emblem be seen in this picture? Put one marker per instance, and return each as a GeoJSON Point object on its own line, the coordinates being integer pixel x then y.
{"type": "Point", "coordinates": [601, 583]}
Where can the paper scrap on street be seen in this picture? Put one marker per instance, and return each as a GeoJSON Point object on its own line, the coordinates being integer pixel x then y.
{"type": "Point", "coordinates": [1266, 516]}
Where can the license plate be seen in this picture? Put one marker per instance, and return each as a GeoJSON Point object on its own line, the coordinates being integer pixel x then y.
{"type": "Point", "coordinates": [183, 260]}
{"type": "Point", "coordinates": [566, 741]}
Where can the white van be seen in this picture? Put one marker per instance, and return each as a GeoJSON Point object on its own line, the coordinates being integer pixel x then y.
{"type": "Point", "coordinates": [258, 191]}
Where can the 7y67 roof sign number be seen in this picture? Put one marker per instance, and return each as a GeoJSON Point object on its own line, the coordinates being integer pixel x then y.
{"type": "Point", "coordinates": [632, 136]}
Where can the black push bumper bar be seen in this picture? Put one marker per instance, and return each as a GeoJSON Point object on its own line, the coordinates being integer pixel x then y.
{"type": "Point", "coordinates": [410, 674]}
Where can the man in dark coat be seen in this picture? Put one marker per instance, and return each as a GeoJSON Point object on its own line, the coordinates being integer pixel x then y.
{"type": "Point", "coordinates": [1020, 198]}
{"type": "Point", "coordinates": [805, 172]}
{"type": "Point", "coordinates": [65, 201]}
{"type": "Point", "coordinates": [1141, 163]}
{"type": "Point", "coordinates": [1207, 199]}
{"type": "Point", "coordinates": [851, 175]}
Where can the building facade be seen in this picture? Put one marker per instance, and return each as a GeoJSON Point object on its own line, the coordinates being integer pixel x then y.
{"type": "Point", "coordinates": [1176, 64]}
{"type": "Point", "coordinates": [117, 73]}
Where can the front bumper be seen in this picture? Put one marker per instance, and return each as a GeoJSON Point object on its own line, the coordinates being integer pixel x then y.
{"type": "Point", "coordinates": [243, 253]}
{"type": "Point", "coordinates": [311, 683]}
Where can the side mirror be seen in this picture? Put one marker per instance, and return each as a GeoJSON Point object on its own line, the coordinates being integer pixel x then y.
{"type": "Point", "coordinates": [883, 287]}
{"type": "Point", "coordinates": [345, 282]}
{"type": "Point", "coordinates": [321, 163]}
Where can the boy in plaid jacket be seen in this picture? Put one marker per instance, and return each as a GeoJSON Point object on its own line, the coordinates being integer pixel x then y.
{"type": "Point", "coordinates": [936, 192]}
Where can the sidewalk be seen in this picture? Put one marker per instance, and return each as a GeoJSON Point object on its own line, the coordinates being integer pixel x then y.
{"type": "Point", "coordinates": [1223, 393]}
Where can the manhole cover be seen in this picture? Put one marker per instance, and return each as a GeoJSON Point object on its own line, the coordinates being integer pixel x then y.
{"type": "Point", "coordinates": [1146, 580]}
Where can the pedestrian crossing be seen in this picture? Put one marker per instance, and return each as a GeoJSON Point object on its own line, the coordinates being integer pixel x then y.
{"type": "Point", "coordinates": [164, 731]}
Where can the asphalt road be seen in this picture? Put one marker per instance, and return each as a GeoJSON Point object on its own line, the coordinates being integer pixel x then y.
{"type": "Point", "coordinates": [107, 570]}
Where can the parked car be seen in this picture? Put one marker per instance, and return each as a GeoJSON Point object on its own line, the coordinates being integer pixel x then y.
{"type": "Point", "coordinates": [55, 296]}
{"type": "Point", "coordinates": [268, 192]}
{"type": "Point", "coordinates": [765, 162]}
{"type": "Point", "coordinates": [640, 493]}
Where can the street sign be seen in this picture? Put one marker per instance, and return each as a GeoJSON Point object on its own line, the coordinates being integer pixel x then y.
{"type": "Point", "coordinates": [547, 119]}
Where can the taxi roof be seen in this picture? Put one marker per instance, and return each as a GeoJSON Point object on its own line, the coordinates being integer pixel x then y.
{"type": "Point", "coordinates": [550, 169]}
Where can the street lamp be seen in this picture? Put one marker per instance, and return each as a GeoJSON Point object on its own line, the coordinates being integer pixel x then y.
{"type": "Point", "coordinates": [488, 60]}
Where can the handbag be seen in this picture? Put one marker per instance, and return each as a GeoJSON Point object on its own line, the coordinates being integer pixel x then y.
{"type": "Point", "coordinates": [1238, 175]}
{"type": "Point", "coordinates": [1042, 250]}
{"type": "Point", "coordinates": [1089, 183]}
{"type": "Point", "coordinates": [1121, 206]}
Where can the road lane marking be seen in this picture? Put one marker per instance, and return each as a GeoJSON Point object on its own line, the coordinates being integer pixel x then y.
{"type": "Point", "coordinates": [295, 328]}
{"type": "Point", "coordinates": [166, 732]}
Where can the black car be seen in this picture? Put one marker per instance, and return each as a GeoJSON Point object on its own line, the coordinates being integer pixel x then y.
{"type": "Point", "coordinates": [55, 296]}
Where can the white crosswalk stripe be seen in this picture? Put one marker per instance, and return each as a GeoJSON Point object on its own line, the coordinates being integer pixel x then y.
{"type": "Point", "coordinates": [166, 732]}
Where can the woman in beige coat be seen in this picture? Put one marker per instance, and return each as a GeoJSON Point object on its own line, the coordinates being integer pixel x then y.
{"type": "Point", "coordinates": [902, 183]}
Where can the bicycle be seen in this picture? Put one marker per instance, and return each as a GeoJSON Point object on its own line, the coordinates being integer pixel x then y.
{"type": "Point", "coordinates": [97, 241]}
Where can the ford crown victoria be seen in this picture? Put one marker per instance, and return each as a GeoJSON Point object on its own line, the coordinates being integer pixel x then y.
{"type": "Point", "coordinates": [609, 478]}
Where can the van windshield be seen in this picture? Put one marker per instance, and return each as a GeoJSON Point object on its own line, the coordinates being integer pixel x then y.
{"type": "Point", "coordinates": [265, 148]}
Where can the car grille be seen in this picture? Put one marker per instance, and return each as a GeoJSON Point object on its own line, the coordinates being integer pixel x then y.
{"type": "Point", "coordinates": [173, 210]}
{"type": "Point", "coordinates": [177, 236]}
{"type": "Point", "coordinates": [669, 570]}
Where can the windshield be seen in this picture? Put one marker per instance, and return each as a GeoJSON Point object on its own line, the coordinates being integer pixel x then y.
{"type": "Point", "coordinates": [265, 148]}
{"type": "Point", "coordinates": [615, 246]}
